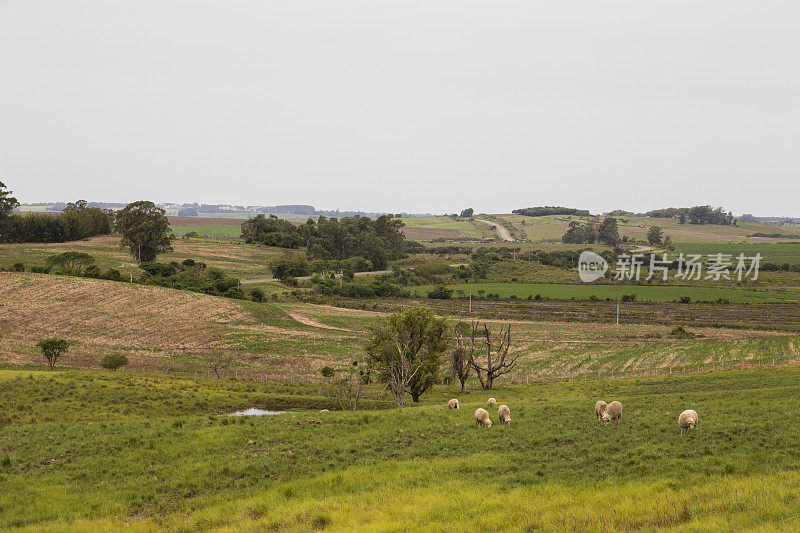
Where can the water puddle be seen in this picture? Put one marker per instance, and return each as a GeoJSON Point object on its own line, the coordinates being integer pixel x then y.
{"type": "Point", "coordinates": [253, 411]}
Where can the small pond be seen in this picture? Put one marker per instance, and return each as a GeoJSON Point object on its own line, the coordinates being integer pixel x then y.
{"type": "Point", "coordinates": [254, 411]}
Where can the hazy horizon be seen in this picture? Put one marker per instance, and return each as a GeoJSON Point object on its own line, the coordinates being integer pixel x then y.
{"type": "Point", "coordinates": [412, 106]}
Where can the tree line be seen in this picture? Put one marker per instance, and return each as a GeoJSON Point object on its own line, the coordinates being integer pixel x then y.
{"type": "Point", "coordinates": [378, 241]}
{"type": "Point", "coordinates": [542, 211]}
{"type": "Point", "coordinates": [76, 222]}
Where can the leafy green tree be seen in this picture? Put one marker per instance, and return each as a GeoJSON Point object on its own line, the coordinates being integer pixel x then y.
{"type": "Point", "coordinates": [467, 213]}
{"type": "Point", "coordinates": [72, 261]}
{"type": "Point", "coordinates": [113, 361]}
{"type": "Point", "coordinates": [655, 236]}
{"type": "Point", "coordinates": [52, 349]}
{"type": "Point", "coordinates": [7, 202]}
{"type": "Point", "coordinates": [406, 350]}
{"type": "Point", "coordinates": [608, 231]}
{"type": "Point", "coordinates": [145, 230]}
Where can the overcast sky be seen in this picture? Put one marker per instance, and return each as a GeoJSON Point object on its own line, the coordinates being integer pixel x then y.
{"type": "Point", "coordinates": [404, 105]}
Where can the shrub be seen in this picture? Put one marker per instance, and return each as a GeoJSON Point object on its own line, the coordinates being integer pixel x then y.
{"type": "Point", "coordinates": [257, 295]}
{"type": "Point", "coordinates": [40, 270]}
{"type": "Point", "coordinates": [685, 299]}
{"type": "Point", "coordinates": [114, 361]}
{"type": "Point", "coordinates": [18, 267]}
{"type": "Point", "coordinates": [112, 274]}
{"type": "Point", "coordinates": [92, 271]}
{"type": "Point", "coordinates": [679, 332]}
{"type": "Point", "coordinates": [440, 292]}
{"type": "Point", "coordinates": [629, 297]}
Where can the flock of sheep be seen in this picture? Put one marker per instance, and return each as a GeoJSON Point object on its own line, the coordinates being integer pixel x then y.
{"type": "Point", "coordinates": [602, 411]}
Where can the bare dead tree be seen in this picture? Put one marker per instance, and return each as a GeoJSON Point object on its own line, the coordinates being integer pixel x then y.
{"type": "Point", "coordinates": [219, 360]}
{"type": "Point", "coordinates": [498, 361]}
{"type": "Point", "coordinates": [462, 354]}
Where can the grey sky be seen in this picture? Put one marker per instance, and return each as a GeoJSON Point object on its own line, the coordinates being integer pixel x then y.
{"type": "Point", "coordinates": [415, 105]}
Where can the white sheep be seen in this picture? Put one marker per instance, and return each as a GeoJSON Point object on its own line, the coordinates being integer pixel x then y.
{"type": "Point", "coordinates": [600, 408]}
{"type": "Point", "coordinates": [687, 420]}
{"type": "Point", "coordinates": [613, 412]}
{"type": "Point", "coordinates": [482, 418]}
{"type": "Point", "coordinates": [504, 414]}
{"type": "Point", "coordinates": [492, 402]}
{"type": "Point", "coordinates": [452, 404]}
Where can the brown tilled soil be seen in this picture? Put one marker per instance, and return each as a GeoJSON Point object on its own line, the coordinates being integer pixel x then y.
{"type": "Point", "coordinates": [157, 328]}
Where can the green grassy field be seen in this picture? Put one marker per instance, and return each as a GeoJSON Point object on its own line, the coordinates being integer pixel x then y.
{"type": "Point", "coordinates": [104, 451]}
{"type": "Point", "coordinates": [464, 226]}
{"type": "Point", "coordinates": [212, 232]}
{"type": "Point", "coordinates": [661, 293]}
{"type": "Point", "coordinates": [770, 252]}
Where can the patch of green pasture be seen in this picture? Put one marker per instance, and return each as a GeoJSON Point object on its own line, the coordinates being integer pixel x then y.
{"type": "Point", "coordinates": [213, 232]}
{"type": "Point", "coordinates": [174, 467]}
{"type": "Point", "coordinates": [657, 293]}
{"type": "Point", "coordinates": [770, 253]}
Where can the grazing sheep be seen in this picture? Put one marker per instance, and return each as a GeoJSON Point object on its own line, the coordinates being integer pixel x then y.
{"type": "Point", "coordinates": [323, 411]}
{"type": "Point", "coordinates": [613, 412]}
{"type": "Point", "coordinates": [687, 420]}
{"type": "Point", "coordinates": [452, 404]}
{"type": "Point", "coordinates": [482, 418]}
{"type": "Point", "coordinates": [492, 402]}
{"type": "Point", "coordinates": [600, 408]}
{"type": "Point", "coordinates": [504, 414]}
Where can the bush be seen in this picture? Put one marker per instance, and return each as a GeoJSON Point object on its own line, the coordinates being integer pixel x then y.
{"type": "Point", "coordinates": [679, 332]}
{"type": "Point", "coordinates": [257, 295]}
{"type": "Point", "coordinates": [18, 267]}
{"type": "Point", "coordinates": [114, 361]}
{"type": "Point", "coordinates": [92, 271]}
{"type": "Point", "coordinates": [629, 297]}
{"type": "Point", "coordinates": [112, 274]}
{"type": "Point", "coordinates": [40, 270]}
{"type": "Point", "coordinates": [440, 292]}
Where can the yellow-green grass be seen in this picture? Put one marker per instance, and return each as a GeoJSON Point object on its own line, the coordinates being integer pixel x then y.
{"type": "Point", "coordinates": [777, 253]}
{"type": "Point", "coordinates": [656, 293]}
{"type": "Point", "coordinates": [152, 453]}
{"type": "Point", "coordinates": [209, 231]}
{"type": "Point", "coordinates": [466, 227]}
{"type": "Point", "coordinates": [553, 227]}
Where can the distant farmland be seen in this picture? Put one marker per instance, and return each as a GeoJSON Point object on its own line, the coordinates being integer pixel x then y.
{"type": "Point", "coordinates": [660, 293]}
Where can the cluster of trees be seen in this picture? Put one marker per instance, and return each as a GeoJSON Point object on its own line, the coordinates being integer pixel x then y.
{"type": "Point", "coordinates": [607, 232]}
{"type": "Point", "coordinates": [378, 241]}
{"type": "Point", "coordinates": [76, 222]}
{"type": "Point", "coordinates": [407, 351]}
{"type": "Point", "coordinates": [193, 276]}
{"type": "Point", "coordinates": [144, 227]}
{"type": "Point", "coordinates": [700, 214]}
{"type": "Point", "coordinates": [542, 211]}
